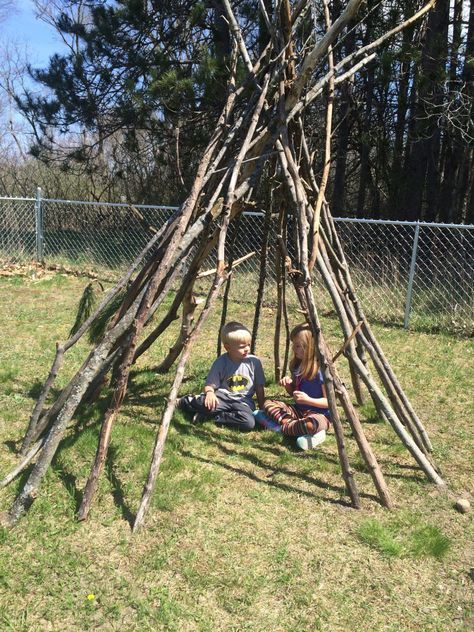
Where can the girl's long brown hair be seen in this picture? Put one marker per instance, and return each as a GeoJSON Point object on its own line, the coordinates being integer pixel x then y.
{"type": "Point", "coordinates": [308, 366]}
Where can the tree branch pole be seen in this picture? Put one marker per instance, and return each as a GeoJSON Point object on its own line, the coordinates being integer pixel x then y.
{"type": "Point", "coordinates": [62, 348]}
{"type": "Point", "coordinates": [368, 340]}
{"type": "Point", "coordinates": [18, 469]}
{"type": "Point", "coordinates": [138, 324]}
{"type": "Point", "coordinates": [347, 471]}
{"type": "Point", "coordinates": [262, 275]}
{"type": "Point", "coordinates": [382, 403]}
{"type": "Point", "coordinates": [55, 434]}
{"type": "Point", "coordinates": [168, 413]}
{"type": "Point", "coordinates": [301, 280]}
{"type": "Point", "coordinates": [327, 151]}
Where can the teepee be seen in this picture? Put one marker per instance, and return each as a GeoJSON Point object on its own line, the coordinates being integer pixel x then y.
{"type": "Point", "coordinates": [261, 124]}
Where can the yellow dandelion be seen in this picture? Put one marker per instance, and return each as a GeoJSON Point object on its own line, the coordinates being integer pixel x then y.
{"type": "Point", "coordinates": [91, 597]}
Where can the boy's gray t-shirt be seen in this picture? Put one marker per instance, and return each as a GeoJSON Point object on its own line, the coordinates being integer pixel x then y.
{"type": "Point", "coordinates": [237, 379]}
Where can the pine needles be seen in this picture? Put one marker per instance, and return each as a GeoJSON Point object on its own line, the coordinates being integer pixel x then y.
{"type": "Point", "coordinates": [87, 304]}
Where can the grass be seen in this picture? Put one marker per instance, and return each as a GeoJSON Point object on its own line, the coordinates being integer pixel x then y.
{"type": "Point", "coordinates": [398, 539]}
{"type": "Point", "coordinates": [244, 532]}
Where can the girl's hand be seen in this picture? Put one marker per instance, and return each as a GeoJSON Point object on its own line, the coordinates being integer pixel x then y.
{"type": "Point", "coordinates": [286, 381]}
{"type": "Point", "coordinates": [301, 398]}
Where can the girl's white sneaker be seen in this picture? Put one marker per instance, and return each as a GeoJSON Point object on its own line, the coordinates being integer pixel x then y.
{"type": "Point", "coordinates": [307, 442]}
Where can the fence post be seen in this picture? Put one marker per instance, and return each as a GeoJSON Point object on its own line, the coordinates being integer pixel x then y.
{"type": "Point", "coordinates": [411, 276]}
{"type": "Point", "coordinates": [39, 226]}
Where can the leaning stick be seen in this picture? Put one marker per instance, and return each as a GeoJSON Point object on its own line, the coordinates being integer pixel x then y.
{"type": "Point", "coordinates": [407, 439]}
{"type": "Point", "coordinates": [168, 413]}
{"type": "Point", "coordinates": [307, 303]}
{"type": "Point", "coordinates": [229, 266]}
{"type": "Point", "coordinates": [23, 464]}
{"type": "Point", "coordinates": [327, 151]}
{"type": "Point", "coordinates": [348, 341]}
{"type": "Point", "coordinates": [312, 318]}
{"type": "Point", "coordinates": [364, 447]}
{"type": "Point", "coordinates": [228, 284]}
{"type": "Point", "coordinates": [378, 397]}
{"type": "Point", "coordinates": [62, 348]}
{"type": "Point", "coordinates": [123, 371]}
{"type": "Point", "coordinates": [372, 345]}
{"type": "Point", "coordinates": [235, 29]}
{"type": "Point", "coordinates": [330, 379]}
{"type": "Point", "coordinates": [79, 386]}
{"type": "Point", "coordinates": [261, 278]}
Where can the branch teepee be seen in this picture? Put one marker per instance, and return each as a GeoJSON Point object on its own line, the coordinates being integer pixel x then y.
{"type": "Point", "coordinates": [261, 126]}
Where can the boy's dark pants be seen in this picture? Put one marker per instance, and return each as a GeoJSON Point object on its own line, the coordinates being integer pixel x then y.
{"type": "Point", "coordinates": [228, 412]}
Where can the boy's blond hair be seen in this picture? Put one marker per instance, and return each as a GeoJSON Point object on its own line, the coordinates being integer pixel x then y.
{"type": "Point", "coordinates": [308, 366]}
{"type": "Point", "coordinates": [234, 332]}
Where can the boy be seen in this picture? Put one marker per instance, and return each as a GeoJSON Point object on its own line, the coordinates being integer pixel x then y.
{"type": "Point", "coordinates": [231, 383]}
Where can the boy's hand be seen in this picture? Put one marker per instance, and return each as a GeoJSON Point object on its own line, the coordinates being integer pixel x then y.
{"type": "Point", "coordinates": [301, 398]}
{"type": "Point", "coordinates": [286, 381]}
{"type": "Point", "coordinates": [210, 401]}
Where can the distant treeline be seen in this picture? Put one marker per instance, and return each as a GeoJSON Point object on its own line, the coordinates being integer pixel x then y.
{"type": "Point", "coordinates": [134, 101]}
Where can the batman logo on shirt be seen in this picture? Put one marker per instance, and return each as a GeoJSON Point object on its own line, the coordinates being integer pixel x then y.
{"type": "Point", "coordinates": [237, 383]}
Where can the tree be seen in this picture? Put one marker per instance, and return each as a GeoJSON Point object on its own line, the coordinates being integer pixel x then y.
{"type": "Point", "coordinates": [141, 86]}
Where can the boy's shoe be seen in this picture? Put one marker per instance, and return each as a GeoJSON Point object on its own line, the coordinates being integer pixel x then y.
{"type": "Point", "coordinates": [264, 421]}
{"type": "Point", "coordinates": [180, 402]}
{"type": "Point", "coordinates": [307, 442]}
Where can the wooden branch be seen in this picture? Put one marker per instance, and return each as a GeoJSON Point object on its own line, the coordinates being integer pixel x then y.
{"type": "Point", "coordinates": [230, 197]}
{"type": "Point", "coordinates": [79, 385]}
{"type": "Point", "coordinates": [364, 447]}
{"type": "Point", "coordinates": [264, 13]}
{"type": "Point", "coordinates": [355, 331]}
{"type": "Point", "coordinates": [18, 469]}
{"type": "Point", "coordinates": [189, 307]}
{"type": "Point", "coordinates": [178, 161]}
{"type": "Point", "coordinates": [235, 30]}
{"type": "Point", "coordinates": [324, 362]}
{"type": "Point", "coordinates": [62, 348]}
{"type": "Point", "coordinates": [261, 277]}
{"type": "Point", "coordinates": [168, 413]}
{"type": "Point", "coordinates": [327, 151]}
{"type": "Point", "coordinates": [228, 284]}
{"type": "Point", "coordinates": [316, 90]}
{"type": "Point", "coordinates": [379, 397]}
{"type": "Point", "coordinates": [387, 374]}
{"type": "Point", "coordinates": [376, 43]}
{"type": "Point", "coordinates": [319, 50]}
{"type": "Point", "coordinates": [228, 266]}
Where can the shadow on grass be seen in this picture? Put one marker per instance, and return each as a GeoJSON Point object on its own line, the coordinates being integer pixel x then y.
{"type": "Point", "coordinates": [69, 481]}
{"type": "Point", "coordinates": [203, 434]}
{"type": "Point", "coordinates": [117, 488]}
{"type": "Point", "coordinates": [13, 446]}
{"type": "Point", "coordinates": [151, 394]}
{"type": "Point", "coordinates": [282, 486]}
{"type": "Point", "coordinates": [406, 477]}
{"type": "Point", "coordinates": [34, 391]}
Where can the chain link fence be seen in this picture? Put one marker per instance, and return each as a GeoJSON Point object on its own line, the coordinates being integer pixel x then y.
{"type": "Point", "coordinates": [409, 273]}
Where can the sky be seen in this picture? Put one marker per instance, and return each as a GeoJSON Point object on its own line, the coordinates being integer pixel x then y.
{"type": "Point", "coordinates": [25, 29]}
{"type": "Point", "coordinates": [35, 42]}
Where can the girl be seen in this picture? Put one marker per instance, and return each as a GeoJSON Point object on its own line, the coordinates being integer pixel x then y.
{"type": "Point", "coordinates": [308, 417]}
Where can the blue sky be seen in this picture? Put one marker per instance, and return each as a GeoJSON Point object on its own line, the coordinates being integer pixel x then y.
{"type": "Point", "coordinates": [37, 38]}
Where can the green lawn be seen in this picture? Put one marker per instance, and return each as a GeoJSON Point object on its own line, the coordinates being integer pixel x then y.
{"type": "Point", "coordinates": [244, 532]}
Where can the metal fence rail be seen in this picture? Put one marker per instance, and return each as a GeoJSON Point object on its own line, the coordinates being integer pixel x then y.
{"type": "Point", "coordinates": [411, 273]}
